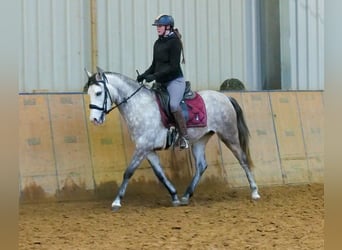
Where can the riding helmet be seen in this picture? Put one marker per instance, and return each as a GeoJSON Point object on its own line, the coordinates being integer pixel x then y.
{"type": "Point", "coordinates": [164, 20]}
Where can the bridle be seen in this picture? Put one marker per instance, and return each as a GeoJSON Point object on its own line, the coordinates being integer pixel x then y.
{"type": "Point", "coordinates": [106, 94]}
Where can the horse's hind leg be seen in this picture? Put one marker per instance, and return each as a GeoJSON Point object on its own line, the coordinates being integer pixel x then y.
{"type": "Point", "coordinates": [198, 151]}
{"type": "Point", "coordinates": [242, 158]}
{"type": "Point", "coordinates": [153, 159]}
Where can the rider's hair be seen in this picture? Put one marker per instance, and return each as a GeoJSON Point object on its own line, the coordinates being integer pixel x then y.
{"type": "Point", "coordinates": [179, 35]}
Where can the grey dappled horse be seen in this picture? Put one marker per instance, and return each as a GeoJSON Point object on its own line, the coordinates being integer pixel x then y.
{"type": "Point", "coordinates": [139, 108]}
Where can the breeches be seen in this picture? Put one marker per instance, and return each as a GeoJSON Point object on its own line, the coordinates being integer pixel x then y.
{"type": "Point", "coordinates": [176, 89]}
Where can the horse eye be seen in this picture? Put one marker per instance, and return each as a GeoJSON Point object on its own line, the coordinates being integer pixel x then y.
{"type": "Point", "coordinates": [98, 93]}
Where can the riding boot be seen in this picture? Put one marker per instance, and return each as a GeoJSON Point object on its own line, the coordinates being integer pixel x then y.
{"type": "Point", "coordinates": [183, 134]}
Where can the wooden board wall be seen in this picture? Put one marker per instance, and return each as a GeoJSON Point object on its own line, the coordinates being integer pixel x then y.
{"type": "Point", "coordinates": [289, 137]}
{"type": "Point", "coordinates": [37, 170]}
{"type": "Point", "coordinates": [63, 155]}
{"type": "Point", "coordinates": [312, 122]}
{"type": "Point", "coordinates": [263, 143]}
{"type": "Point", "coordinates": [71, 144]}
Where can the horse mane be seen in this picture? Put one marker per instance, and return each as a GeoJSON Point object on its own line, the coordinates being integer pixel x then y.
{"type": "Point", "coordinates": [124, 77]}
{"type": "Point", "coordinates": [129, 81]}
{"type": "Point", "coordinates": [92, 80]}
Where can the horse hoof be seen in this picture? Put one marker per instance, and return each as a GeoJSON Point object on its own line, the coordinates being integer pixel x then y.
{"type": "Point", "coordinates": [184, 201]}
{"type": "Point", "coordinates": [176, 203]}
{"type": "Point", "coordinates": [115, 208]}
{"type": "Point", "coordinates": [255, 196]}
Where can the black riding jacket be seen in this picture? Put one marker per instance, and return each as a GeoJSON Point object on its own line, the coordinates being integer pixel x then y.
{"type": "Point", "coordinates": [166, 59]}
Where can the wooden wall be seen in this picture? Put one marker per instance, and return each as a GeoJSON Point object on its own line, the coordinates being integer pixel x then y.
{"type": "Point", "coordinates": [63, 156]}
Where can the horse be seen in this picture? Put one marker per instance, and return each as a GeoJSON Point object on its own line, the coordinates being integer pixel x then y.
{"type": "Point", "coordinates": [138, 106]}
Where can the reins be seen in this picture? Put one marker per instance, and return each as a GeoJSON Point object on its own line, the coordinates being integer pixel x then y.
{"type": "Point", "coordinates": [125, 99]}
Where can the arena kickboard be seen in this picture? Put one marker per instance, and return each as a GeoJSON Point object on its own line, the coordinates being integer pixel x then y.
{"type": "Point", "coordinates": [61, 151]}
{"type": "Point", "coordinates": [312, 119]}
{"type": "Point", "coordinates": [263, 144]}
{"type": "Point", "coordinates": [71, 142]}
{"type": "Point", "coordinates": [289, 137]}
{"type": "Point", "coordinates": [37, 166]}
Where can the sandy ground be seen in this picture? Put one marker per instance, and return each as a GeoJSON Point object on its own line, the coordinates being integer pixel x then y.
{"type": "Point", "coordinates": [286, 217]}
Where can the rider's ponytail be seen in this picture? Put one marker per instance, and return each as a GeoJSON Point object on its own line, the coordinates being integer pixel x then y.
{"type": "Point", "coordinates": [178, 34]}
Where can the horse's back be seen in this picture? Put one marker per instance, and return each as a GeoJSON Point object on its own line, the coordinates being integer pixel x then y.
{"type": "Point", "coordinates": [220, 111]}
{"type": "Point", "coordinates": [215, 100]}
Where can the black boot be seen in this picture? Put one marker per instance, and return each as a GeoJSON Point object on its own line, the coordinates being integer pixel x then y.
{"type": "Point", "coordinates": [183, 134]}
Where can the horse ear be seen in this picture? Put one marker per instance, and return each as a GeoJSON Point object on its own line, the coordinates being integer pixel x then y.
{"type": "Point", "coordinates": [87, 72]}
{"type": "Point", "coordinates": [98, 76]}
{"type": "Point", "coordinates": [99, 69]}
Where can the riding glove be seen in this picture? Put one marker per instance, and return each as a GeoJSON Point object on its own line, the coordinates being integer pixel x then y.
{"type": "Point", "coordinates": [150, 78]}
{"type": "Point", "coordinates": [140, 78]}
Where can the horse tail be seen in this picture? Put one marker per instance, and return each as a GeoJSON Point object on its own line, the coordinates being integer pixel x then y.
{"type": "Point", "coordinates": [243, 131]}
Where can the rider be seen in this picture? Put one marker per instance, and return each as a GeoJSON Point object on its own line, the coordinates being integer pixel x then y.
{"type": "Point", "coordinates": [166, 69]}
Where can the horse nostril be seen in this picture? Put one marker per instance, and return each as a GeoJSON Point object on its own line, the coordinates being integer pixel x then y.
{"type": "Point", "coordinates": [95, 121]}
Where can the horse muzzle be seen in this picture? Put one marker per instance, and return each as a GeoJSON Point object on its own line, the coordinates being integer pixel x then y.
{"type": "Point", "coordinates": [97, 122]}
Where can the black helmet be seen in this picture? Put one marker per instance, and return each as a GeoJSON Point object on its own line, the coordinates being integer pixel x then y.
{"type": "Point", "coordinates": [164, 20]}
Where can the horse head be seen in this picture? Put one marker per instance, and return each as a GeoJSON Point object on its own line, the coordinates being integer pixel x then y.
{"type": "Point", "coordinates": [100, 98]}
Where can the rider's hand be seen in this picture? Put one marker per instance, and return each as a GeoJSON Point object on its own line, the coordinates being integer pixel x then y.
{"type": "Point", "coordinates": [140, 78]}
{"type": "Point", "coordinates": [150, 78]}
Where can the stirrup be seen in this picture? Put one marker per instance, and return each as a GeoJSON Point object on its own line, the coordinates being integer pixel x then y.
{"type": "Point", "coordinates": [183, 143]}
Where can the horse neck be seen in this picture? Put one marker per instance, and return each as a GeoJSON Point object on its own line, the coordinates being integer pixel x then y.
{"type": "Point", "coordinates": [123, 88]}
{"type": "Point", "coordinates": [120, 87]}
{"type": "Point", "coordinates": [141, 105]}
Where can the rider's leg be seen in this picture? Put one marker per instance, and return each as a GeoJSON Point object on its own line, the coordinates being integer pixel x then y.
{"type": "Point", "coordinates": [176, 90]}
{"type": "Point", "coordinates": [183, 134]}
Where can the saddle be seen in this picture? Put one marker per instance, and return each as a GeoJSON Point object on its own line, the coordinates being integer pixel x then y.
{"type": "Point", "coordinates": [193, 107]}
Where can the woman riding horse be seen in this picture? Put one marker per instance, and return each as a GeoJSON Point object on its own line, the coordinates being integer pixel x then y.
{"type": "Point", "coordinates": [166, 69]}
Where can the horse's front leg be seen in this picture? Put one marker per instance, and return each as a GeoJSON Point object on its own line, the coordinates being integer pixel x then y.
{"type": "Point", "coordinates": [138, 156]}
{"type": "Point", "coordinates": [198, 151]}
{"type": "Point", "coordinates": [153, 159]}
